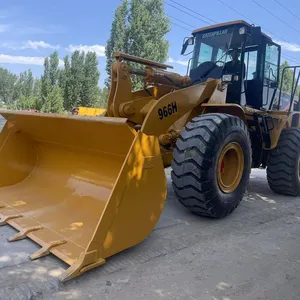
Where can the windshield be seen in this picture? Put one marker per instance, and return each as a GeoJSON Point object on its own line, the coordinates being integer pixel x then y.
{"type": "Point", "coordinates": [212, 51]}
{"type": "Point", "coordinates": [211, 46]}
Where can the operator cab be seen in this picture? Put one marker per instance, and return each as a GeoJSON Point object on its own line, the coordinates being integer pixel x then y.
{"type": "Point", "coordinates": [241, 54]}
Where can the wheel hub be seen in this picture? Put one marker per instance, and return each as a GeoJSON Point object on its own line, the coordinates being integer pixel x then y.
{"type": "Point", "coordinates": [230, 167]}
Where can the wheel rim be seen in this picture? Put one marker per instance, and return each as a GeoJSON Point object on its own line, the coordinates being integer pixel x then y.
{"type": "Point", "coordinates": [230, 167]}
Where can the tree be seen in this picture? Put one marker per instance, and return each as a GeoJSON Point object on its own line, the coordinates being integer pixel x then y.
{"type": "Point", "coordinates": [118, 40]}
{"type": "Point", "coordinates": [23, 86]}
{"type": "Point", "coordinates": [26, 92]}
{"type": "Point", "coordinates": [76, 79]}
{"type": "Point", "coordinates": [25, 103]}
{"type": "Point", "coordinates": [53, 68]}
{"type": "Point", "coordinates": [102, 98]}
{"type": "Point", "coordinates": [54, 101]}
{"type": "Point", "coordinates": [37, 88]}
{"type": "Point", "coordinates": [287, 79]}
{"type": "Point", "coordinates": [46, 83]}
{"type": "Point", "coordinates": [62, 78]}
{"type": "Point", "coordinates": [90, 88]}
{"type": "Point", "coordinates": [148, 26]}
{"type": "Point", "coordinates": [27, 82]}
{"type": "Point", "coordinates": [7, 84]}
{"type": "Point", "coordinates": [140, 31]}
{"type": "Point", "coordinates": [58, 89]}
{"type": "Point", "coordinates": [66, 84]}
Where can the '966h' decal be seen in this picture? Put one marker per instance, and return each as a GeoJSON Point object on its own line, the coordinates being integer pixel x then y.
{"type": "Point", "coordinates": [167, 111]}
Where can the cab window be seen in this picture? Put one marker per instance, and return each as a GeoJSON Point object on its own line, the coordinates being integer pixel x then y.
{"type": "Point", "coordinates": [250, 61]}
{"type": "Point", "coordinates": [271, 62]}
{"type": "Point", "coordinates": [205, 53]}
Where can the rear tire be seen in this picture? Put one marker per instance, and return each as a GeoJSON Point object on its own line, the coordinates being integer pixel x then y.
{"type": "Point", "coordinates": [198, 161]}
{"type": "Point", "coordinates": [283, 171]}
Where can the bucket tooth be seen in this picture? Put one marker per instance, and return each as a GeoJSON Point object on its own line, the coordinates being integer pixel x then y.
{"type": "Point", "coordinates": [84, 263]}
{"type": "Point", "coordinates": [23, 233]}
{"type": "Point", "coordinates": [5, 219]}
{"type": "Point", "coordinates": [45, 250]}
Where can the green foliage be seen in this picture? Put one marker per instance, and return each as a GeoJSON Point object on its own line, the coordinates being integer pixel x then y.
{"type": "Point", "coordinates": [37, 87]}
{"type": "Point", "coordinates": [66, 84]}
{"type": "Point", "coordinates": [298, 91]}
{"type": "Point", "coordinates": [19, 92]}
{"type": "Point", "coordinates": [59, 89]}
{"type": "Point", "coordinates": [90, 88]}
{"type": "Point", "coordinates": [7, 83]}
{"type": "Point", "coordinates": [26, 81]}
{"type": "Point", "coordinates": [53, 68]}
{"type": "Point", "coordinates": [54, 102]}
{"type": "Point", "coordinates": [288, 77]}
{"type": "Point", "coordinates": [287, 85]}
{"type": "Point", "coordinates": [51, 100]}
{"type": "Point", "coordinates": [36, 93]}
{"type": "Point", "coordinates": [148, 25]}
{"type": "Point", "coordinates": [25, 103]}
{"type": "Point", "coordinates": [23, 86]}
{"type": "Point", "coordinates": [76, 78]}
{"type": "Point", "coordinates": [46, 82]}
{"type": "Point", "coordinates": [102, 98]}
{"type": "Point", "coordinates": [118, 40]}
{"type": "Point", "coordinates": [79, 80]}
{"type": "Point", "coordinates": [139, 28]}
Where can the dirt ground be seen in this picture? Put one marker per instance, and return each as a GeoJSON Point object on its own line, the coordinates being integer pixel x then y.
{"type": "Point", "coordinates": [252, 254]}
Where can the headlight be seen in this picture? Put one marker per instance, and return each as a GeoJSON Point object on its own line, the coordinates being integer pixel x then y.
{"type": "Point", "coordinates": [242, 30]}
{"type": "Point", "coordinates": [227, 78]}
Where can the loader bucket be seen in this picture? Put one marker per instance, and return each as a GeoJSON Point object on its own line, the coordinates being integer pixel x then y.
{"type": "Point", "coordinates": [82, 188]}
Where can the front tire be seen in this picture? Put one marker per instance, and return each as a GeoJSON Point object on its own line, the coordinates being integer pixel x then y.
{"type": "Point", "coordinates": [283, 169]}
{"type": "Point", "coordinates": [212, 164]}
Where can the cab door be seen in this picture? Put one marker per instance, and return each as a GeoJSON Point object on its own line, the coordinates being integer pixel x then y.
{"type": "Point", "coordinates": [271, 69]}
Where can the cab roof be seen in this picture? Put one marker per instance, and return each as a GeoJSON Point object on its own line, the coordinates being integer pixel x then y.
{"type": "Point", "coordinates": [241, 22]}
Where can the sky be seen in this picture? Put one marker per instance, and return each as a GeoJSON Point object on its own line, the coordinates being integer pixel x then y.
{"type": "Point", "coordinates": [31, 30]}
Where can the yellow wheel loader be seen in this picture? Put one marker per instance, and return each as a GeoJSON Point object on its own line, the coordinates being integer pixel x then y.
{"type": "Point", "coordinates": [86, 188]}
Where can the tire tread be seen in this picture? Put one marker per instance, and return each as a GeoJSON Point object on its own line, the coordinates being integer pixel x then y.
{"type": "Point", "coordinates": [281, 163]}
{"type": "Point", "coordinates": [190, 174]}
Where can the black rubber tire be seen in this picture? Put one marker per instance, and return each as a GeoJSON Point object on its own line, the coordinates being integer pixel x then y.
{"type": "Point", "coordinates": [283, 163]}
{"type": "Point", "coordinates": [195, 164]}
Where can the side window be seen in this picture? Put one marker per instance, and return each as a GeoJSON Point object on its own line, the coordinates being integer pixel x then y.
{"type": "Point", "coordinates": [251, 65]}
{"type": "Point", "coordinates": [205, 53]}
{"type": "Point", "coordinates": [271, 62]}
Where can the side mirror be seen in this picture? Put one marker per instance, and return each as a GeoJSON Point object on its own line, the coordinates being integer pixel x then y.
{"type": "Point", "coordinates": [188, 42]}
